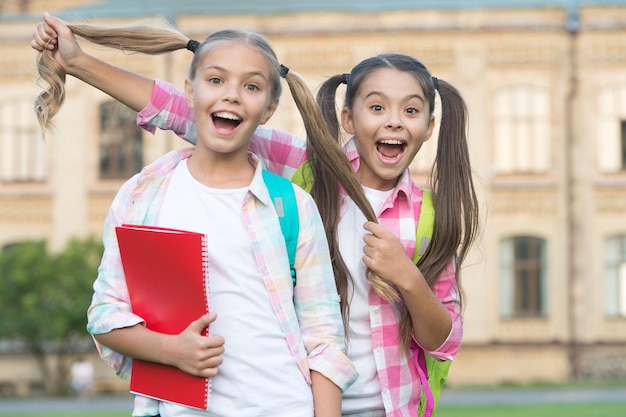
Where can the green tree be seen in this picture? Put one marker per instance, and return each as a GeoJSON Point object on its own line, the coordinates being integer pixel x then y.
{"type": "Point", "coordinates": [43, 303]}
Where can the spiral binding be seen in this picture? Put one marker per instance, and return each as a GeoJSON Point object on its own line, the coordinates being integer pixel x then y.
{"type": "Point", "coordinates": [207, 298]}
{"type": "Point", "coordinates": [205, 271]}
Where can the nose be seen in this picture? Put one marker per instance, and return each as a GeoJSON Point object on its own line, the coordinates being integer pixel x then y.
{"type": "Point", "coordinates": [394, 121]}
{"type": "Point", "coordinates": [232, 93]}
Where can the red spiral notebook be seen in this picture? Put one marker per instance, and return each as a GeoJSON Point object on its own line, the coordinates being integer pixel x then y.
{"type": "Point", "coordinates": [165, 272]}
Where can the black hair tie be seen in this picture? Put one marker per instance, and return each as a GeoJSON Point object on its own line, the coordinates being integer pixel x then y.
{"type": "Point", "coordinates": [435, 83]}
{"type": "Point", "coordinates": [192, 45]}
{"type": "Point", "coordinates": [283, 71]}
{"type": "Point", "coordinates": [345, 78]}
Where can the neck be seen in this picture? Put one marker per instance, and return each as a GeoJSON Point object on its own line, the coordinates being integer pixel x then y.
{"type": "Point", "coordinates": [225, 171]}
{"type": "Point", "coordinates": [375, 182]}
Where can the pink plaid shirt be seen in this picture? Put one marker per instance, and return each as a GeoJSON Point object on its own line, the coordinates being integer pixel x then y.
{"type": "Point", "coordinates": [283, 153]}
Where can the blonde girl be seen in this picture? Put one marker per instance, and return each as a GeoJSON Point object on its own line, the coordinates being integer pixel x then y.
{"type": "Point", "coordinates": [273, 349]}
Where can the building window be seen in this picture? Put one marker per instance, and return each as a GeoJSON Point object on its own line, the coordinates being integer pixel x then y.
{"type": "Point", "coordinates": [120, 142]}
{"type": "Point", "coordinates": [615, 277]}
{"type": "Point", "coordinates": [522, 134]}
{"type": "Point", "coordinates": [611, 137]}
{"type": "Point", "coordinates": [523, 272]}
{"type": "Point", "coordinates": [23, 153]}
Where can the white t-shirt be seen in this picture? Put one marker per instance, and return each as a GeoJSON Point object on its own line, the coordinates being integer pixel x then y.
{"type": "Point", "coordinates": [364, 394]}
{"type": "Point", "coordinates": [258, 376]}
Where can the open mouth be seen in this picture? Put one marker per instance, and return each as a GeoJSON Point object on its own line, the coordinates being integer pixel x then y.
{"type": "Point", "coordinates": [225, 121]}
{"type": "Point", "coordinates": [390, 148]}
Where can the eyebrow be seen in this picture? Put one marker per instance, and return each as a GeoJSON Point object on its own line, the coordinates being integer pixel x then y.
{"type": "Point", "coordinates": [221, 69]}
{"type": "Point", "coordinates": [378, 93]}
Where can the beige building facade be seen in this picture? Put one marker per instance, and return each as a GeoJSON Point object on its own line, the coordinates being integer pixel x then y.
{"type": "Point", "coordinates": [546, 93]}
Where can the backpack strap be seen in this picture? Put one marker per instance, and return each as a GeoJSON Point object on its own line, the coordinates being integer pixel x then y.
{"type": "Point", "coordinates": [425, 225]}
{"type": "Point", "coordinates": [284, 199]}
{"type": "Point", "coordinates": [432, 373]}
{"type": "Point", "coordinates": [304, 177]}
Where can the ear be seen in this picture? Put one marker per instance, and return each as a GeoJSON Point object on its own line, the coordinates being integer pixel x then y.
{"type": "Point", "coordinates": [346, 121]}
{"type": "Point", "coordinates": [189, 92]}
{"type": "Point", "coordinates": [431, 127]}
{"type": "Point", "coordinates": [269, 112]}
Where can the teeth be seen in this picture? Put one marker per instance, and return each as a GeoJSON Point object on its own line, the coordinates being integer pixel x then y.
{"type": "Point", "coordinates": [391, 142]}
{"type": "Point", "coordinates": [226, 115]}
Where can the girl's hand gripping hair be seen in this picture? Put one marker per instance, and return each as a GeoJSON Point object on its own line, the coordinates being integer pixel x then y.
{"type": "Point", "coordinates": [385, 256]}
{"type": "Point", "coordinates": [53, 34]}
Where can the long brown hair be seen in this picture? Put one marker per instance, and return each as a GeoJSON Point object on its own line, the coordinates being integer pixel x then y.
{"type": "Point", "coordinates": [456, 206]}
{"type": "Point", "coordinates": [155, 40]}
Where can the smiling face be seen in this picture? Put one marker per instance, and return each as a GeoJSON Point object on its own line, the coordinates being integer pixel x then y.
{"type": "Point", "coordinates": [390, 119]}
{"type": "Point", "coordinates": [231, 94]}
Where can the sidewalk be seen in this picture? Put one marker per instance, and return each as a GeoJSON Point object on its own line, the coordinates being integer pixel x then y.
{"type": "Point", "coordinates": [460, 396]}
{"type": "Point", "coordinates": [59, 405]}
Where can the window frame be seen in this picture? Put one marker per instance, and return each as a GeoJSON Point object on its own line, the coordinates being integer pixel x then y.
{"type": "Point", "coordinates": [615, 276]}
{"type": "Point", "coordinates": [523, 276]}
{"type": "Point", "coordinates": [23, 151]}
{"type": "Point", "coordinates": [522, 143]}
{"type": "Point", "coordinates": [120, 142]}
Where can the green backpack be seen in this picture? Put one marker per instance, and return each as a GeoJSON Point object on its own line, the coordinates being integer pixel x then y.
{"type": "Point", "coordinates": [436, 372]}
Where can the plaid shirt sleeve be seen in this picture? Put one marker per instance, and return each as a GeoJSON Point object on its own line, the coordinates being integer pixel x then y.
{"type": "Point", "coordinates": [447, 291]}
{"type": "Point", "coordinates": [110, 306]}
{"type": "Point", "coordinates": [316, 299]}
{"type": "Point", "coordinates": [137, 201]}
{"type": "Point", "coordinates": [168, 110]}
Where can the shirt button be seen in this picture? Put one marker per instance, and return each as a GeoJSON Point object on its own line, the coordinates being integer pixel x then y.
{"type": "Point", "coordinates": [263, 269]}
{"type": "Point", "coordinates": [376, 310]}
{"type": "Point", "coordinates": [248, 226]}
{"type": "Point", "coordinates": [279, 308]}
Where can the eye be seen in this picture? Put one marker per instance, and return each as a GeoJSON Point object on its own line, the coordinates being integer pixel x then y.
{"type": "Point", "coordinates": [376, 107]}
{"type": "Point", "coordinates": [412, 110]}
{"type": "Point", "coordinates": [214, 80]}
{"type": "Point", "coordinates": [252, 87]}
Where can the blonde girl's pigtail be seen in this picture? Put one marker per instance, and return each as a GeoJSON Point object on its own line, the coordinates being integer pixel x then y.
{"type": "Point", "coordinates": [136, 38]}
{"type": "Point", "coordinates": [325, 146]}
{"type": "Point", "coordinates": [332, 171]}
{"type": "Point", "coordinates": [49, 101]}
{"type": "Point", "coordinates": [330, 166]}
{"type": "Point", "coordinates": [151, 40]}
